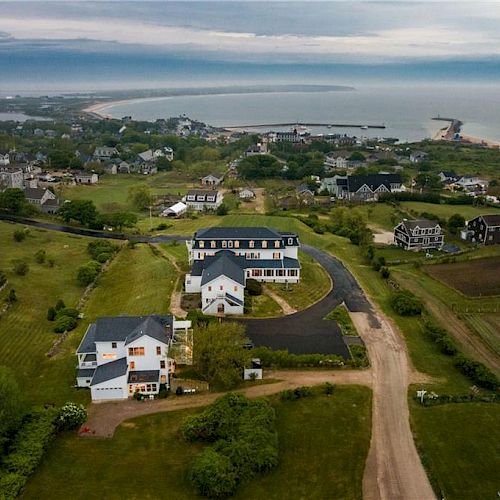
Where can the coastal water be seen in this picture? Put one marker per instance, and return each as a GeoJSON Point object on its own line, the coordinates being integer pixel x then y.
{"type": "Point", "coordinates": [405, 110]}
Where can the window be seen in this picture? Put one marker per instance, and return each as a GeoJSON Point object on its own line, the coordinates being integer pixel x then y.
{"type": "Point", "coordinates": [224, 244]}
{"type": "Point", "coordinates": [290, 241]}
{"type": "Point", "coordinates": [269, 272]}
{"type": "Point", "coordinates": [113, 345]}
{"type": "Point", "coordinates": [264, 244]}
{"type": "Point", "coordinates": [280, 272]}
{"type": "Point", "coordinates": [236, 244]}
{"type": "Point", "coordinates": [276, 244]}
{"type": "Point", "coordinates": [209, 288]}
{"type": "Point", "coordinates": [256, 272]}
{"type": "Point", "coordinates": [251, 244]}
{"type": "Point", "coordinates": [109, 356]}
{"type": "Point", "coordinates": [158, 350]}
{"type": "Point", "coordinates": [136, 351]}
{"type": "Point", "coordinates": [132, 365]}
{"type": "Point", "coordinates": [221, 287]}
{"type": "Point", "coordinates": [276, 255]}
{"type": "Point", "coordinates": [213, 244]}
{"type": "Point", "coordinates": [230, 244]}
{"type": "Point", "coordinates": [292, 272]}
{"type": "Point", "coordinates": [235, 288]}
{"type": "Point", "coordinates": [202, 244]}
{"type": "Point", "coordinates": [162, 364]}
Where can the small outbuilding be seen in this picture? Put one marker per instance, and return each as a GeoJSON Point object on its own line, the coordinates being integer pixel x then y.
{"type": "Point", "coordinates": [175, 210]}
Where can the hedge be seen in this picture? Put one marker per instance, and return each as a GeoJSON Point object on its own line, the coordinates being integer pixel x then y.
{"type": "Point", "coordinates": [284, 359]}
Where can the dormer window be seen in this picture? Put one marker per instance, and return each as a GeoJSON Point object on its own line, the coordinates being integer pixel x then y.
{"type": "Point", "coordinates": [290, 241]}
{"type": "Point", "coordinates": [230, 244]}
{"type": "Point", "coordinates": [202, 244]}
{"type": "Point", "coordinates": [236, 244]}
{"type": "Point", "coordinates": [264, 244]}
{"type": "Point", "coordinates": [224, 244]}
{"type": "Point", "coordinates": [276, 244]}
{"type": "Point", "coordinates": [251, 244]}
{"type": "Point", "coordinates": [213, 244]}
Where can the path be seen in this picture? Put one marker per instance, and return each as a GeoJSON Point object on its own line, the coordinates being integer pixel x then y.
{"type": "Point", "coordinates": [259, 200]}
{"type": "Point", "coordinates": [105, 417]}
{"type": "Point", "coordinates": [285, 306]}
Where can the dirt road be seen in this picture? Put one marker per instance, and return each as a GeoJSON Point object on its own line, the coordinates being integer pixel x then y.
{"type": "Point", "coordinates": [393, 468]}
{"type": "Point", "coordinates": [105, 417]}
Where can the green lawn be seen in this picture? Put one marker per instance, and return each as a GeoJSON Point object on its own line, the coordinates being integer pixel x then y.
{"type": "Point", "coordinates": [341, 316]}
{"type": "Point", "coordinates": [323, 443]}
{"type": "Point", "coordinates": [445, 211]}
{"type": "Point", "coordinates": [314, 284]}
{"type": "Point", "coordinates": [25, 333]}
{"type": "Point", "coordinates": [263, 306]}
{"type": "Point", "coordinates": [460, 444]}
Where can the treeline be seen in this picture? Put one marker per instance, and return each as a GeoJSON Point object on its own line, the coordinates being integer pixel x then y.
{"type": "Point", "coordinates": [434, 198]}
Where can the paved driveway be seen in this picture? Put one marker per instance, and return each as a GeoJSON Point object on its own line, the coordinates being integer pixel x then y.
{"type": "Point", "coordinates": [306, 332]}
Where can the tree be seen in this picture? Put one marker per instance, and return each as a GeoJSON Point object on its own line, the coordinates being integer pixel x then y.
{"type": "Point", "coordinates": [13, 200]}
{"type": "Point", "coordinates": [88, 273]}
{"type": "Point", "coordinates": [51, 313]}
{"type": "Point", "coordinates": [259, 166]}
{"type": "Point", "coordinates": [119, 220]}
{"type": "Point", "coordinates": [82, 211]}
{"type": "Point", "coordinates": [222, 209]}
{"type": "Point", "coordinates": [140, 197]}
{"type": "Point", "coordinates": [428, 181]}
{"type": "Point", "coordinates": [20, 267]}
{"type": "Point", "coordinates": [357, 156]}
{"type": "Point", "coordinates": [455, 223]}
{"type": "Point", "coordinates": [11, 406]}
{"type": "Point", "coordinates": [219, 353]}
{"type": "Point", "coordinates": [163, 164]}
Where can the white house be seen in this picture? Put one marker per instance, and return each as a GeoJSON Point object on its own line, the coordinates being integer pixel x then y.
{"type": "Point", "coordinates": [202, 200]}
{"type": "Point", "coordinates": [86, 178]}
{"type": "Point", "coordinates": [223, 258]}
{"type": "Point", "coordinates": [105, 152]}
{"type": "Point", "coordinates": [212, 180]}
{"type": "Point", "coordinates": [246, 194]}
{"type": "Point", "coordinates": [175, 210]}
{"type": "Point", "coordinates": [4, 158]}
{"type": "Point", "coordinates": [337, 160]}
{"type": "Point", "coordinates": [122, 355]}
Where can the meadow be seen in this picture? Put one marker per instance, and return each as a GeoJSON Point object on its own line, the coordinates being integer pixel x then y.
{"type": "Point", "coordinates": [149, 455]}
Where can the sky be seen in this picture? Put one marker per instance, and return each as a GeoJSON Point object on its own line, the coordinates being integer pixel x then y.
{"type": "Point", "coordinates": [207, 42]}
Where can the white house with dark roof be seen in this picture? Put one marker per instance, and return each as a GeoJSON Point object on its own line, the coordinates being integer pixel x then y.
{"type": "Point", "coordinates": [122, 355]}
{"type": "Point", "coordinates": [212, 180]}
{"type": "Point", "coordinates": [223, 258]}
{"type": "Point", "coordinates": [203, 200]}
{"type": "Point", "coordinates": [419, 235]}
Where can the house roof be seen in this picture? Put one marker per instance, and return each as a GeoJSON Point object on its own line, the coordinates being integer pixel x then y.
{"type": "Point", "coordinates": [304, 188]}
{"type": "Point", "coordinates": [143, 376]}
{"type": "Point", "coordinates": [237, 233]}
{"type": "Point", "coordinates": [126, 329]}
{"type": "Point", "coordinates": [109, 371]}
{"type": "Point", "coordinates": [215, 176]}
{"type": "Point", "coordinates": [51, 201]}
{"type": "Point", "coordinates": [491, 219]}
{"type": "Point", "coordinates": [421, 223]}
{"type": "Point", "coordinates": [234, 299]}
{"type": "Point", "coordinates": [224, 263]}
{"type": "Point", "coordinates": [202, 192]}
{"type": "Point", "coordinates": [85, 373]}
{"type": "Point", "coordinates": [146, 155]}
{"type": "Point", "coordinates": [177, 208]}
{"type": "Point", "coordinates": [373, 181]}
{"type": "Point", "coordinates": [34, 193]}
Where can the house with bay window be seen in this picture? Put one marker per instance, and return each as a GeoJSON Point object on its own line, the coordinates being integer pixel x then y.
{"type": "Point", "coordinates": [223, 258]}
{"type": "Point", "coordinates": [122, 355]}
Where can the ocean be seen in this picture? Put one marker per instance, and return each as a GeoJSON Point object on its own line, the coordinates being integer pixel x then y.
{"type": "Point", "coordinates": [406, 110]}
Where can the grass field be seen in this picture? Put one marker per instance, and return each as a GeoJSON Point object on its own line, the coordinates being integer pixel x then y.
{"type": "Point", "coordinates": [488, 327]}
{"type": "Point", "coordinates": [25, 333]}
{"type": "Point", "coordinates": [314, 284]}
{"type": "Point", "coordinates": [460, 444]}
{"type": "Point", "coordinates": [474, 278]}
{"type": "Point", "coordinates": [446, 211]}
{"type": "Point", "coordinates": [323, 443]}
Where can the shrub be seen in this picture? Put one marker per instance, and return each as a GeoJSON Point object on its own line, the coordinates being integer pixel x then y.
{"type": "Point", "coordinates": [406, 304]}
{"type": "Point", "coordinates": [441, 338]}
{"type": "Point", "coordinates": [97, 247]}
{"type": "Point", "coordinates": [477, 372]}
{"type": "Point", "coordinates": [20, 267]}
{"type": "Point", "coordinates": [60, 305]}
{"type": "Point", "coordinates": [71, 416]}
{"type": "Point", "coordinates": [12, 297]}
{"type": "Point", "coordinates": [3, 278]}
{"type": "Point", "coordinates": [88, 273]}
{"type": "Point", "coordinates": [68, 311]}
{"type": "Point", "coordinates": [284, 359]}
{"type": "Point", "coordinates": [253, 287]}
{"type": "Point", "coordinates": [40, 256]}
{"type": "Point", "coordinates": [103, 257]}
{"type": "Point", "coordinates": [51, 313]}
{"type": "Point", "coordinates": [385, 273]}
{"type": "Point", "coordinates": [328, 388]}
{"type": "Point", "coordinates": [51, 262]}
{"type": "Point", "coordinates": [65, 324]}
{"type": "Point", "coordinates": [222, 209]}
{"type": "Point", "coordinates": [19, 235]}
{"type": "Point", "coordinates": [213, 475]}
{"type": "Point", "coordinates": [294, 394]}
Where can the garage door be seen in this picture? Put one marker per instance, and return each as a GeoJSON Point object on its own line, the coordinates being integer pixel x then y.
{"type": "Point", "coordinates": [100, 393]}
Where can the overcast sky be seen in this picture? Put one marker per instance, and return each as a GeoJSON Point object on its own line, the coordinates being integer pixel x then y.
{"type": "Point", "coordinates": [260, 31]}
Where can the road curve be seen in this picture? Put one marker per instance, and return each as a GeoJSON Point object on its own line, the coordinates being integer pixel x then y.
{"type": "Point", "coordinates": [393, 469]}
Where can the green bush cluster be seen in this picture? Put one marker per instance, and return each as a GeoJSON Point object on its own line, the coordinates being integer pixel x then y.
{"type": "Point", "coordinates": [101, 250]}
{"type": "Point", "coordinates": [443, 399]}
{"type": "Point", "coordinates": [284, 359]}
{"type": "Point", "coordinates": [87, 273]}
{"type": "Point", "coordinates": [40, 256]}
{"type": "Point", "coordinates": [441, 337]}
{"type": "Point", "coordinates": [27, 451]}
{"type": "Point", "coordinates": [20, 267]}
{"type": "Point", "coordinates": [359, 356]}
{"type": "Point", "coordinates": [406, 304]}
{"type": "Point", "coordinates": [243, 443]}
{"type": "Point", "coordinates": [71, 416]}
{"type": "Point", "coordinates": [19, 235]}
{"type": "Point", "coordinates": [297, 393]}
{"type": "Point", "coordinates": [377, 262]}
{"type": "Point", "coordinates": [253, 287]}
{"type": "Point", "coordinates": [477, 372]}
{"type": "Point", "coordinates": [66, 318]}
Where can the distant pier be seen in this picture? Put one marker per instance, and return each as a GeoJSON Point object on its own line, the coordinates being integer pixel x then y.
{"type": "Point", "coordinates": [295, 124]}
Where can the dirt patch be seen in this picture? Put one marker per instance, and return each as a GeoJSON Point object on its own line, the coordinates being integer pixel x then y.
{"type": "Point", "coordinates": [285, 306]}
{"type": "Point", "coordinates": [474, 278]}
{"type": "Point", "coordinates": [383, 237]}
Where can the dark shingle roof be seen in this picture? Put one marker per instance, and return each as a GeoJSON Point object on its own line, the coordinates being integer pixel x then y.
{"type": "Point", "coordinates": [85, 373]}
{"type": "Point", "coordinates": [373, 181]}
{"type": "Point", "coordinates": [224, 263]}
{"type": "Point", "coordinates": [421, 223]}
{"type": "Point", "coordinates": [109, 371]}
{"type": "Point", "coordinates": [234, 299]}
{"type": "Point", "coordinates": [236, 233]}
{"type": "Point", "coordinates": [492, 219]}
{"type": "Point", "coordinates": [34, 193]}
{"type": "Point", "coordinates": [150, 327]}
{"type": "Point", "coordinates": [143, 376]}
{"type": "Point", "coordinates": [88, 342]}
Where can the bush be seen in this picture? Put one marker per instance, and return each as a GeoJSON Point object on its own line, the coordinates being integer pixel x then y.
{"type": "Point", "coordinates": [253, 287]}
{"type": "Point", "coordinates": [95, 248]}
{"type": "Point", "coordinates": [65, 324]}
{"type": "Point", "coordinates": [51, 313]}
{"type": "Point", "coordinates": [103, 257]}
{"type": "Point", "coordinates": [60, 305]}
{"type": "Point", "coordinates": [12, 297]}
{"type": "Point", "coordinates": [71, 416]}
{"type": "Point", "coordinates": [406, 304]}
{"type": "Point", "coordinates": [477, 372]}
{"type": "Point", "coordinates": [222, 209]}
{"type": "Point", "coordinates": [294, 394]}
{"type": "Point", "coordinates": [213, 475]}
{"type": "Point", "coordinates": [19, 235]}
{"type": "Point", "coordinates": [20, 267]}
{"type": "Point", "coordinates": [40, 256]}
{"type": "Point", "coordinates": [68, 311]}
{"type": "Point", "coordinates": [441, 338]}
{"type": "Point", "coordinates": [88, 273]}
{"type": "Point", "coordinates": [3, 278]}
{"type": "Point", "coordinates": [328, 388]}
{"type": "Point", "coordinates": [385, 272]}
{"type": "Point", "coordinates": [284, 359]}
